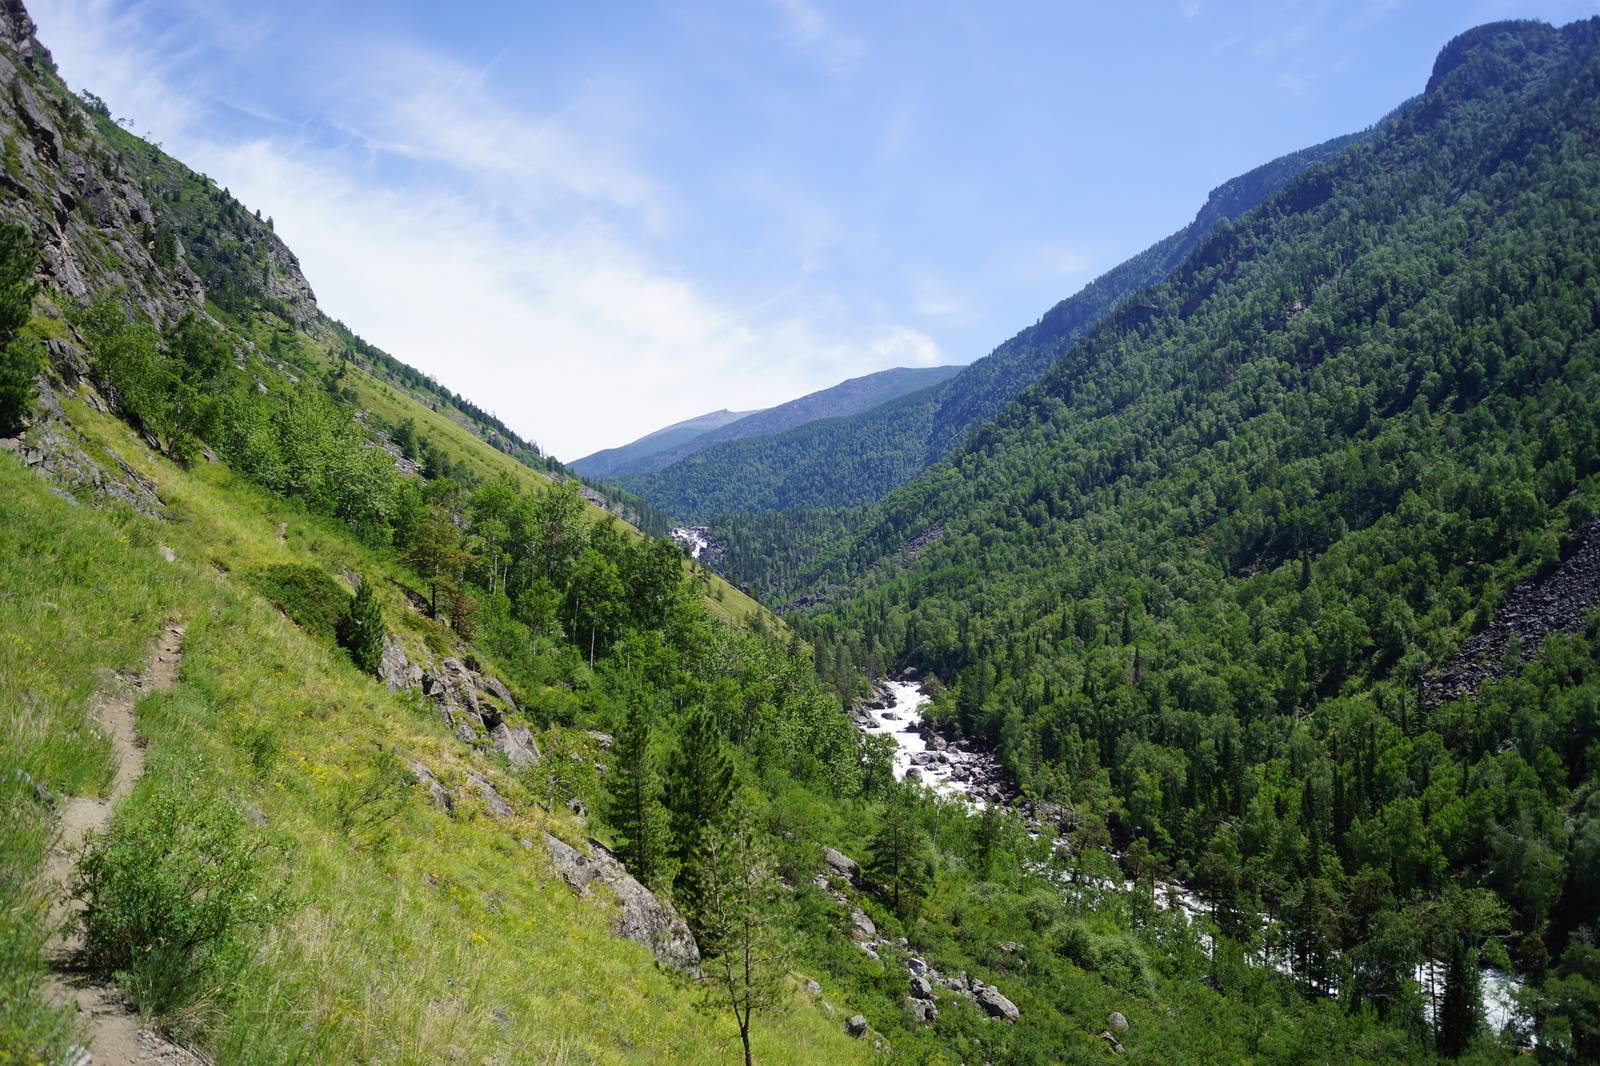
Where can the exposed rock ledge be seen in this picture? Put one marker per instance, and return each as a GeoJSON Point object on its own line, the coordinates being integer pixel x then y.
{"type": "Point", "coordinates": [642, 915]}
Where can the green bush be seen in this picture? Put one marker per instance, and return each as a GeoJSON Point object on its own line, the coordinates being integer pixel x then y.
{"type": "Point", "coordinates": [361, 630]}
{"type": "Point", "coordinates": [175, 898]}
{"type": "Point", "coordinates": [313, 599]}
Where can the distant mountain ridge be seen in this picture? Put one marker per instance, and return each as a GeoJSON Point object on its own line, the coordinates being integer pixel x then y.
{"type": "Point", "coordinates": [609, 460]}
{"type": "Point", "coordinates": [852, 396]}
{"type": "Point", "coordinates": [856, 460]}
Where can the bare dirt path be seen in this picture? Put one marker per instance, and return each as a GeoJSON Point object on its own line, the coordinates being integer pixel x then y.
{"type": "Point", "coordinates": [113, 1034]}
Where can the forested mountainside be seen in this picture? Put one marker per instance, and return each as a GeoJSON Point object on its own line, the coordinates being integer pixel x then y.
{"type": "Point", "coordinates": [398, 752]}
{"type": "Point", "coordinates": [856, 460]}
{"type": "Point", "coordinates": [603, 462]}
{"type": "Point", "coordinates": [1194, 582]}
{"type": "Point", "coordinates": [846, 398]}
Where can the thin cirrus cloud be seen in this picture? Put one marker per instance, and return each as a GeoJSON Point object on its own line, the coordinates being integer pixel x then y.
{"type": "Point", "coordinates": [515, 256]}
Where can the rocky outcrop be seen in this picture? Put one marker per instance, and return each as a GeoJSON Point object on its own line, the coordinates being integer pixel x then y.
{"type": "Point", "coordinates": [1555, 603]}
{"type": "Point", "coordinates": [997, 1005]}
{"type": "Point", "coordinates": [641, 916]}
{"type": "Point", "coordinates": [52, 450]}
{"type": "Point", "coordinates": [493, 802]}
{"type": "Point", "coordinates": [441, 796]}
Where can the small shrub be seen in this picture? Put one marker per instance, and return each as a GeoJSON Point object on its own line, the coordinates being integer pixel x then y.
{"type": "Point", "coordinates": [175, 898]}
{"type": "Point", "coordinates": [310, 597]}
{"type": "Point", "coordinates": [361, 630]}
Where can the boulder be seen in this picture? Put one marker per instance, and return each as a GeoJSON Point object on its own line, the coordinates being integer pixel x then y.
{"type": "Point", "coordinates": [856, 1026]}
{"type": "Point", "coordinates": [813, 989]}
{"type": "Point", "coordinates": [440, 795]}
{"type": "Point", "coordinates": [492, 800]}
{"type": "Point", "coordinates": [394, 669]}
{"type": "Point", "coordinates": [642, 916]}
{"type": "Point", "coordinates": [1111, 1042]}
{"type": "Point", "coordinates": [498, 689]}
{"type": "Point", "coordinates": [921, 988]}
{"type": "Point", "coordinates": [517, 745]}
{"type": "Point", "coordinates": [1117, 1021]}
{"type": "Point", "coordinates": [913, 774]}
{"type": "Point", "coordinates": [863, 924]}
{"type": "Point", "coordinates": [843, 865]}
{"type": "Point", "coordinates": [997, 1005]}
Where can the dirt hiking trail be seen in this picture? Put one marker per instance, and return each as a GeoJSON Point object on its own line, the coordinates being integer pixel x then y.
{"type": "Point", "coordinates": [113, 1036]}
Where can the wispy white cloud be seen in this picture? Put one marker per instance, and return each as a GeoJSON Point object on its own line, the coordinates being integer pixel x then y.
{"type": "Point", "coordinates": [1190, 8]}
{"type": "Point", "coordinates": [810, 32]}
{"type": "Point", "coordinates": [514, 255]}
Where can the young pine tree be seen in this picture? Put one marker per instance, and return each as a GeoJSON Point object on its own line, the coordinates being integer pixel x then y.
{"type": "Point", "coordinates": [633, 791]}
{"type": "Point", "coordinates": [740, 923]}
{"type": "Point", "coordinates": [699, 792]}
{"type": "Point", "coordinates": [361, 630]}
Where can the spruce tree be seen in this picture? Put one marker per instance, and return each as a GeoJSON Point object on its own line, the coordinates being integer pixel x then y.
{"type": "Point", "coordinates": [1458, 1009]}
{"type": "Point", "coordinates": [361, 629]}
{"type": "Point", "coordinates": [699, 791]}
{"type": "Point", "coordinates": [19, 359]}
{"type": "Point", "coordinates": [633, 796]}
{"type": "Point", "coordinates": [896, 856]}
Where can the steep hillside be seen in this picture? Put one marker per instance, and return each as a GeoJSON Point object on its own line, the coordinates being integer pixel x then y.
{"type": "Point", "coordinates": [1192, 584]}
{"type": "Point", "coordinates": [856, 460]}
{"type": "Point", "coordinates": [846, 398]}
{"type": "Point", "coordinates": [606, 461]}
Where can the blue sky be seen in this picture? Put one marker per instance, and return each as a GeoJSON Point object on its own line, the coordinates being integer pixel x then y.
{"type": "Point", "coordinates": [599, 218]}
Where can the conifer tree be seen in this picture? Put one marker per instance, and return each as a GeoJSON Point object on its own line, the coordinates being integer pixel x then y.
{"type": "Point", "coordinates": [896, 857]}
{"type": "Point", "coordinates": [1458, 1009]}
{"type": "Point", "coordinates": [361, 630]}
{"type": "Point", "coordinates": [699, 791]}
{"type": "Point", "coordinates": [743, 948]}
{"type": "Point", "coordinates": [633, 796]}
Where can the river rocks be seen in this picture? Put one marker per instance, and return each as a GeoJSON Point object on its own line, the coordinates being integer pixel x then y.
{"type": "Point", "coordinates": [642, 916]}
{"type": "Point", "coordinates": [997, 1005]}
{"type": "Point", "coordinates": [856, 1026]}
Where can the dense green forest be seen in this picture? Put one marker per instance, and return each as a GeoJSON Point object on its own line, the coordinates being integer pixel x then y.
{"type": "Point", "coordinates": [1190, 583]}
{"type": "Point", "coordinates": [1189, 586]}
{"type": "Point", "coordinates": [854, 460]}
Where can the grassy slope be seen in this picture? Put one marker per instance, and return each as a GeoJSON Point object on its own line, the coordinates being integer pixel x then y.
{"type": "Point", "coordinates": [457, 942]}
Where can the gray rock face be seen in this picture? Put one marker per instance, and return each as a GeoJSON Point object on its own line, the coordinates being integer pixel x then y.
{"type": "Point", "coordinates": [498, 689]}
{"type": "Point", "coordinates": [856, 1026]}
{"type": "Point", "coordinates": [642, 916]}
{"type": "Point", "coordinates": [997, 1005]}
{"type": "Point", "coordinates": [843, 865]}
{"type": "Point", "coordinates": [517, 745]}
{"type": "Point", "coordinates": [394, 669]}
{"type": "Point", "coordinates": [496, 804]}
{"type": "Point", "coordinates": [440, 795]}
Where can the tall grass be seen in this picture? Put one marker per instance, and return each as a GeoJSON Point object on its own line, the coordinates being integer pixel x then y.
{"type": "Point", "coordinates": [453, 941]}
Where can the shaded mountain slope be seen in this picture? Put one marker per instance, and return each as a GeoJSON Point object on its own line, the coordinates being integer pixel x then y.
{"type": "Point", "coordinates": [607, 460]}
{"type": "Point", "coordinates": [1192, 581]}
{"type": "Point", "coordinates": [846, 398]}
{"type": "Point", "coordinates": [857, 460]}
